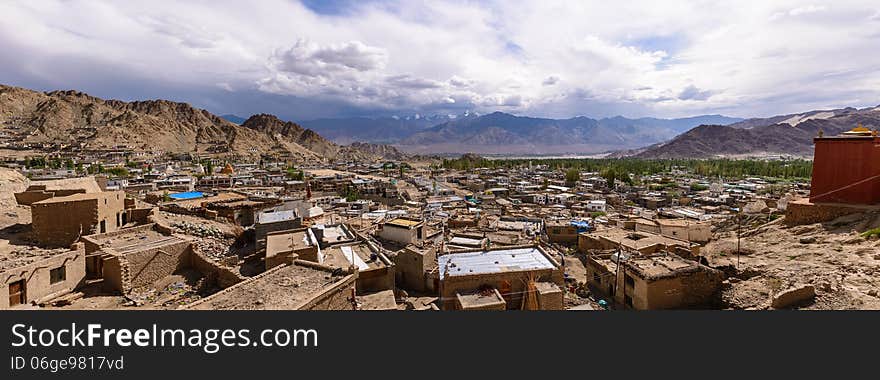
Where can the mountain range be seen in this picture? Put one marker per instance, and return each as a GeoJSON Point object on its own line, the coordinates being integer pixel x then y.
{"type": "Point", "coordinates": [789, 135]}
{"type": "Point", "coordinates": [72, 118]}
{"type": "Point", "coordinates": [503, 133]}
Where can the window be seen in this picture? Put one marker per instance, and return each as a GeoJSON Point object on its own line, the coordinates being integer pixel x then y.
{"type": "Point", "coordinates": [630, 281]}
{"type": "Point", "coordinates": [57, 275]}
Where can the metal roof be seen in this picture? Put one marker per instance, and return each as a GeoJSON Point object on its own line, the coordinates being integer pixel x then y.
{"type": "Point", "coordinates": [493, 261]}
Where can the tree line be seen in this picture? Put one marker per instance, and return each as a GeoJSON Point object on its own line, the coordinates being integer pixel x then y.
{"type": "Point", "coordinates": [621, 168]}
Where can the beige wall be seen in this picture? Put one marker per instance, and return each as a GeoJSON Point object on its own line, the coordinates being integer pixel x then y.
{"type": "Point", "coordinates": [562, 234]}
{"type": "Point", "coordinates": [63, 223]}
{"type": "Point", "coordinates": [452, 285]}
{"type": "Point", "coordinates": [37, 278]}
{"type": "Point", "coordinates": [401, 235]}
{"type": "Point", "coordinates": [410, 268]}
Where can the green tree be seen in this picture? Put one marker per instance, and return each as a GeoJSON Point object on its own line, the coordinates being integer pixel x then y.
{"type": "Point", "coordinates": [572, 175]}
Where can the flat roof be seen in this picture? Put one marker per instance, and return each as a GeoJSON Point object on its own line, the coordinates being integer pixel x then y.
{"type": "Point", "coordinates": [662, 266]}
{"type": "Point", "coordinates": [480, 299]}
{"type": "Point", "coordinates": [73, 198]}
{"type": "Point", "coordinates": [407, 223]}
{"type": "Point", "coordinates": [186, 195]}
{"type": "Point", "coordinates": [286, 287]}
{"type": "Point", "coordinates": [284, 242]}
{"type": "Point", "coordinates": [644, 238]}
{"type": "Point", "coordinates": [493, 261]}
{"type": "Point", "coordinates": [459, 240]}
{"type": "Point", "coordinates": [276, 216]}
{"type": "Point", "coordinates": [134, 240]}
{"type": "Point", "coordinates": [357, 254]}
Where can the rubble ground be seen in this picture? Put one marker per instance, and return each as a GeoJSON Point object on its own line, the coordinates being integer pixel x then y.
{"type": "Point", "coordinates": [834, 257]}
{"type": "Point", "coordinates": [169, 292]}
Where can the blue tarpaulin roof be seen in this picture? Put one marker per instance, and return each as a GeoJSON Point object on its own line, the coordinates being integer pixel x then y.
{"type": "Point", "coordinates": [580, 223]}
{"type": "Point", "coordinates": [186, 195]}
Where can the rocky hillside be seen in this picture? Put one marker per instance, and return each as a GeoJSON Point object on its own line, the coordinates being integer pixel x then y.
{"type": "Point", "coordinates": [378, 150]}
{"type": "Point", "coordinates": [779, 135]}
{"type": "Point", "coordinates": [71, 117]}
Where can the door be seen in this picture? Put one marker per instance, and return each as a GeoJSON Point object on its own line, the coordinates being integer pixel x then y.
{"type": "Point", "coordinates": [17, 293]}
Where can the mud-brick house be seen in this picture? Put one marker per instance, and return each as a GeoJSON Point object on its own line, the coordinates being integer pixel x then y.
{"type": "Point", "coordinates": [61, 221]}
{"type": "Point", "coordinates": [525, 277]}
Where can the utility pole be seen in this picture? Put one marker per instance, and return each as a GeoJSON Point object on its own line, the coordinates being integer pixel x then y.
{"type": "Point", "coordinates": [738, 231]}
{"type": "Point", "coordinates": [617, 275]}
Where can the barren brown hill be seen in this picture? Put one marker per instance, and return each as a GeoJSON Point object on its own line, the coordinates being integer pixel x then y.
{"type": "Point", "coordinates": [75, 118]}
{"type": "Point", "coordinates": [781, 135]}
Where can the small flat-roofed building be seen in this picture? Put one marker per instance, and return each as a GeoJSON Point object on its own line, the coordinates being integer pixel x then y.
{"type": "Point", "coordinates": [684, 229]}
{"type": "Point", "coordinates": [298, 286]}
{"type": "Point", "coordinates": [486, 299]}
{"type": "Point", "coordinates": [466, 241]}
{"type": "Point", "coordinates": [403, 230]}
{"type": "Point", "coordinates": [330, 234]}
{"type": "Point", "coordinates": [563, 232]}
{"type": "Point", "coordinates": [274, 220]}
{"type": "Point", "coordinates": [375, 270]}
{"type": "Point", "coordinates": [41, 190]}
{"type": "Point", "coordinates": [655, 282]}
{"type": "Point", "coordinates": [511, 270]}
{"type": "Point", "coordinates": [596, 205]}
{"type": "Point", "coordinates": [61, 221]}
{"type": "Point", "coordinates": [643, 242]}
{"type": "Point", "coordinates": [411, 265]}
{"type": "Point", "coordinates": [282, 247]}
{"type": "Point", "coordinates": [303, 244]}
{"type": "Point", "coordinates": [136, 257]}
{"type": "Point", "coordinates": [240, 212]}
{"type": "Point", "coordinates": [36, 273]}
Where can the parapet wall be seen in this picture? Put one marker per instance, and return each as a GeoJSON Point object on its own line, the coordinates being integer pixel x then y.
{"type": "Point", "coordinates": [216, 274]}
{"type": "Point", "coordinates": [803, 212]}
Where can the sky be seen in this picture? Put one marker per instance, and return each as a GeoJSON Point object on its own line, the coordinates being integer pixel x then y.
{"type": "Point", "coordinates": [311, 59]}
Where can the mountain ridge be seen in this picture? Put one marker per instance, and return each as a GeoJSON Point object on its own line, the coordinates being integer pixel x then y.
{"type": "Point", "coordinates": [69, 117]}
{"type": "Point", "coordinates": [788, 135]}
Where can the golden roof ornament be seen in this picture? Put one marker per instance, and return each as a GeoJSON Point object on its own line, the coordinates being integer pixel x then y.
{"type": "Point", "coordinates": [859, 131]}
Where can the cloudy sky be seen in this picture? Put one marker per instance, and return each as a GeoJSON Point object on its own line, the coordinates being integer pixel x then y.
{"type": "Point", "coordinates": [309, 59]}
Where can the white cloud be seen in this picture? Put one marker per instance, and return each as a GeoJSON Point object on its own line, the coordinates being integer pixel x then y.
{"type": "Point", "coordinates": [642, 58]}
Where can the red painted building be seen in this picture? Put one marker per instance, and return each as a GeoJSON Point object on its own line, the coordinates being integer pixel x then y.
{"type": "Point", "coordinates": [846, 168]}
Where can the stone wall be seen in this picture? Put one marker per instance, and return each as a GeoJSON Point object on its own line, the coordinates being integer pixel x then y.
{"type": "Point", "coordinates": [215, 273]}
{"type": "Point", "coordinates": [141, 215]}
{"type": "Point", "coordinates": [31, 196]}
{"type": "Point", "coordinates": [375, 280]}
{"type": "Point", "coordinates": [803, 212]}
{"type": "Point", "coordinates": [562, 234]}
{"type": "Point", "coordinates": [410, 268]}
{"type": "Point", "coordinates": [61, 223]}
{"type": "Point", "coordinates": [148, 266]}
{"type": "Point", "coordinates": [263, 229]}
{"type": "Point", "coordinates": [336, 297]}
